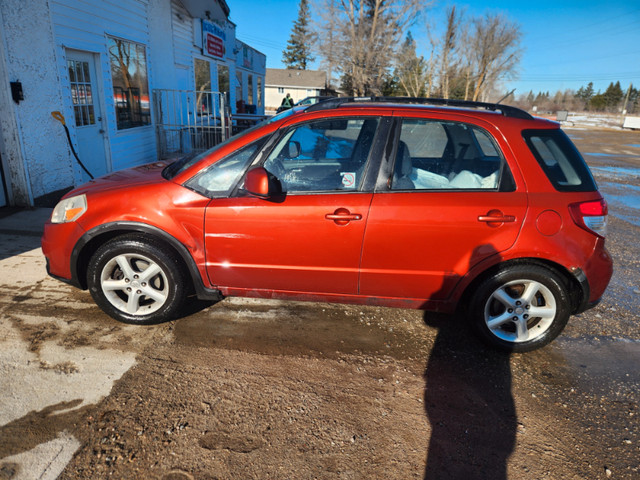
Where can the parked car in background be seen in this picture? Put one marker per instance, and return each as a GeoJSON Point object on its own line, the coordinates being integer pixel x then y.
{"type": "Point", "coordinates": [312, 100]}
{"type": "Point", "coordinates": [305, 102]}
{"type": "Point", "coordinates": [418, 203]}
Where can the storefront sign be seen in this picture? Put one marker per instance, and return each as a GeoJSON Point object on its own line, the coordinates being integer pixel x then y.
{"type": "Point", "coordinates": [213, 38]}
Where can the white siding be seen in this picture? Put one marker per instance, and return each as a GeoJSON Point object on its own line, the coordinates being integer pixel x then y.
{"type": "Point", "coordinates": [182, 24]}
{"type": "Point", "coordinates": [38, 160]}
{"type": "Point", "coordinates": [77, 26]}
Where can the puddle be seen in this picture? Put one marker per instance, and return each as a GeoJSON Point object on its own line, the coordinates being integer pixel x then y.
{"type": "Point", "coordinates": [603, 366]}
{"type": "Point", "coordinates": [636, 145]}
{"type": "Point", "coordinates": [623, 200]}
{"type": "Point", "coordinates": [616, 172]}
{"type": "Point", "coordinates": [294, 329]}
{"type": "Point", "coordinates": [624, 194]}
{"type": "Point", "coordinates": [609, 155]}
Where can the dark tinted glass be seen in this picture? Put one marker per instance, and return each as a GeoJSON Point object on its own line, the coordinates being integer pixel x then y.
{"type": "Point", "coordinates": [560, 160]}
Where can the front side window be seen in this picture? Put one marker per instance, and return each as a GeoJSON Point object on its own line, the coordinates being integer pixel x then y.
{"type": "Point", "coordinates": [560, 160]}
{"type": "Point", "coordinates": [325, 155]}
{"type": "Point", "coordinates": [437, 155]}
{"type": "Point", "coordinates": [130, 84]}
{"type": "Point", "coordinates": [219, 179]}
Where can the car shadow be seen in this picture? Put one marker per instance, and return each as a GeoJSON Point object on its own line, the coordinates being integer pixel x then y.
{"type": "Point", "coordinates": [469, 404]}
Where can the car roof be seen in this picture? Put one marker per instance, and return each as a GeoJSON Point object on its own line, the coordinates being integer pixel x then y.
{"type": "Point", "coordinates": [419, 103]}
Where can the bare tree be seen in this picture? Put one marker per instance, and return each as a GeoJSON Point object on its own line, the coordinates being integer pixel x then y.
{"type": "Point", "coordinates": [329, 43]}
{"type": "Point", "coordinates": [369, 32]}
{"type": "Point", "coordinates": [449, 43]}
{"type": "Point", "coordinates": [494, 46]}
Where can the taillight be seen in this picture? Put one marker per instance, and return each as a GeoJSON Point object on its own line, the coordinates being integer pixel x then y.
{"type": "Point", "coordinates": [591, 216]}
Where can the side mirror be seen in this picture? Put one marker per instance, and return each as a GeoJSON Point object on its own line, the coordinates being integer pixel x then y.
{"type": "Point", "coordinates": [260, 183]}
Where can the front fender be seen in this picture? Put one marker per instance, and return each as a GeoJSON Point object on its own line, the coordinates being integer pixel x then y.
{"type": "Point", "coordinates": [92, 239]}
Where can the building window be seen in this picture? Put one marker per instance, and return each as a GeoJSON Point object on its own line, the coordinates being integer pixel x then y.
{"type": "Point", "coordinates": [259, 91]}
{"type": "Point", "coordinates": [203, 85]}
{"type": "Point", "coordinates": [240, 103]}
{"type": "Point", "coordinates": [81, 95]}
{"type": "Point", "coordinates": [223, 78]}
{"type": "Point", "coordinates": [130, 84]}
{"type": "Point", "coordinates": [280, 89]}
{"type": "Point", "coordinates": [250, 89]}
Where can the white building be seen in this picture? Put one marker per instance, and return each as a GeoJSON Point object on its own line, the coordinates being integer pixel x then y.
{"type": "Point", "coordinates": [113, 69]}
{"type": "Point", "coordinates": [298, 83]}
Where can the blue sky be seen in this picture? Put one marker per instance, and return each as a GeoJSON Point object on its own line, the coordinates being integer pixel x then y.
{"type": "Point", "coordinates": [567, 44]}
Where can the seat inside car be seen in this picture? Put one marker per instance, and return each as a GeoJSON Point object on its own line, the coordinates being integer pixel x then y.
{"type": "Point", "coordinates": [403, 169]}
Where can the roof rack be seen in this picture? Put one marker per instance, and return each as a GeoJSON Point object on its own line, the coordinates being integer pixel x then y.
{"type": "Point", "coordinates": [506, 110]}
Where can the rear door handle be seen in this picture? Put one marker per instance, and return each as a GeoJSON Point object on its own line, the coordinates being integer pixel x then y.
{"type": "Point", "coordinates": [496, 219]}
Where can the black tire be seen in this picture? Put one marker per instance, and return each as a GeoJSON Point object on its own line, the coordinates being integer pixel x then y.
{"type": "Point", "coordinates": [122, 285]}
{"type": "Point", "coordinates": [520, 308]}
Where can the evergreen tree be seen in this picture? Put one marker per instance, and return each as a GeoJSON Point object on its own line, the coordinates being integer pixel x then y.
{"type": "Point", "coordinates": [411, 70]}
{"type": "Point", "coordinates": [297, 55]}
{"type": "Point", "coordinates": [585, 94]}
{"type": "Point", "coordinates": [598, 102]}
{"type": "Point", "coordinates": [613, 95]}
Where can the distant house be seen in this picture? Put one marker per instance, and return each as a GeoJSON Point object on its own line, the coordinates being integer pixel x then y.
{"type": "Point", "coordinates": [298, 83]}
{"type": "Point", "coordinates": [135, 80]}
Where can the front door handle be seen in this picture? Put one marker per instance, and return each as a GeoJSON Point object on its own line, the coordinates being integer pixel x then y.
{"type": "Point", "coordinates": [342, 216]}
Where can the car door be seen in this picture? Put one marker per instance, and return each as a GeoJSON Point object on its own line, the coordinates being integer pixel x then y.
{"type": "Point", "coordinates": [308, 239]}
{"type": "Point", "coordinates": [449, 203]}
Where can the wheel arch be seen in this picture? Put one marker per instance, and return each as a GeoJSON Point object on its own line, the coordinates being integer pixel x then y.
{"type": "Point", "coordinates": [96, 237]}
{"type": "Point", "coordinates": [575, 281]}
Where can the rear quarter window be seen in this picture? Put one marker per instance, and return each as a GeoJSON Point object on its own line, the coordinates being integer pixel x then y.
{"type": "Point", "coordinates": [560, 160]}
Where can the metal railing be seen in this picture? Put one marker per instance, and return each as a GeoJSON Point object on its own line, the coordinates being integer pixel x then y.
{"type": "Point", "coordinates": [188, 121]}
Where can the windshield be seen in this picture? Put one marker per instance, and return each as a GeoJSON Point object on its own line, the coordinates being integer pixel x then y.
{"type": "Point", "coordinates": [179, 166]}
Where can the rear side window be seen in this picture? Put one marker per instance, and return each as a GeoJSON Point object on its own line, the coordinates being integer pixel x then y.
{"type": "Point", "coordinates": [444, 155]}
{"type": "Point", "coordinates": [560, 160]}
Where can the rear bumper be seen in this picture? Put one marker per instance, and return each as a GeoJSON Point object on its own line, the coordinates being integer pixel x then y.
{"type": "Point", "coordinates": [594, 278]}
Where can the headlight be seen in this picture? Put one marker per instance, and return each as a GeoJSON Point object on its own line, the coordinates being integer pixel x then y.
{"type": "Point", "coordinates": [69, 209]}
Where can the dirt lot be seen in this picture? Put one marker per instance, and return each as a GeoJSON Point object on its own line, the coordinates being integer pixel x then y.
{"type": "Point", "coordinates": [285, 390]}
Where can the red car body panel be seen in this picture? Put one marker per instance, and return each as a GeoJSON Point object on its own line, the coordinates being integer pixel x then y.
{"type": "Point", "coordinates": [419, 245]}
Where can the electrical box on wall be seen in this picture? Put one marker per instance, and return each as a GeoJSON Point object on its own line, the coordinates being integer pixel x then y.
{"type": "Point", "coordinates": [16, 92]}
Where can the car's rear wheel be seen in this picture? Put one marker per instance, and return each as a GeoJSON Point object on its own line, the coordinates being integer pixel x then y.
{"type": "Point", "coordinates": [520, 308]}
{"type": "Point", "coordinates": [135, 280]}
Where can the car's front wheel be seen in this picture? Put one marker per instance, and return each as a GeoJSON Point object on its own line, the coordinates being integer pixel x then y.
{"type": "Point", "coordinates": [135, 280]}
{"type": "Point", "coordinates": [520, 308]}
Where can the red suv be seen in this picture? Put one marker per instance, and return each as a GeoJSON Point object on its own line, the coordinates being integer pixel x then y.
{"type": "Point", "coordinates": [418, 203]}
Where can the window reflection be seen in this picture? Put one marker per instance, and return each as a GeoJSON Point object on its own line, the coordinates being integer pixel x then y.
{"type": "Point", "coordinates": [130, 85]}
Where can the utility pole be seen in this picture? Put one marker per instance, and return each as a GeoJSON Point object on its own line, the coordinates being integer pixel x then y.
{"type": "Point", "coordinates": [626, 99]}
